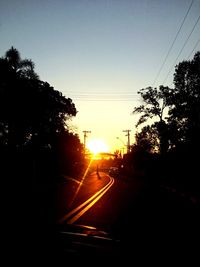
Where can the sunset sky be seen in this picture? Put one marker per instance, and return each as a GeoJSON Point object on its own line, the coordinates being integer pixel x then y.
{"type": "Point", "coordinates": [100, 53]}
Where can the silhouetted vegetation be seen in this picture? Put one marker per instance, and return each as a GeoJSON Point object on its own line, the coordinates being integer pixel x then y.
{"type": "Point", "coordinates": [37, 145]}
{"type": "Point", "coordinates": [172, 141]}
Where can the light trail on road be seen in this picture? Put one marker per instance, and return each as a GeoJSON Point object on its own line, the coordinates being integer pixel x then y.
{"type": "Point", "coordinates": [81, 182]}
{"type": "Point", "coordinates": [76, 213]}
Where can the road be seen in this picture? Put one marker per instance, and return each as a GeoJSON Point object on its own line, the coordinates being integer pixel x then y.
{"type": "Point", "coordinates": [97, 201]}
{"type": "Point", "coordinates": [79, 211]}
{"type": "Point", "coordinates": [97, 206]}
{"type": "Point", "coordinates": [142, 217]}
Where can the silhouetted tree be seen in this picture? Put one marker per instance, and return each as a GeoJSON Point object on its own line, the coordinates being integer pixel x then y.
{"type": "Point", "coordinates": [147, 139]}
{"type": "Point", "coordinates": [34, 120]}
{"type": "Point", "coordinates": [24, 68]}
{"type": "Point", "coordinates": [155, 102]}
{"type": "Point", "coordinates": [31, 111]}
{"type": "Point", "coordinates": [71, 154]}
{"type": "Point", "coordinates": [184, 112]}
{"type": "Point", "coordinates": [178, 132]}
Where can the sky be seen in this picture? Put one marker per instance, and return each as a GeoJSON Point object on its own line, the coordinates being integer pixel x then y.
{"type": "Point", "coordinates": [100, 53]}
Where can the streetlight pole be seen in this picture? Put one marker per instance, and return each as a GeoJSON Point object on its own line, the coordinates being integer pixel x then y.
{"type": "Point", "coordinates": [122, 143]}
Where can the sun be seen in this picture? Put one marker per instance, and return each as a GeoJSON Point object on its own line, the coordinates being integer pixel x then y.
{"type": "Point", "coordinates": [97, 146]}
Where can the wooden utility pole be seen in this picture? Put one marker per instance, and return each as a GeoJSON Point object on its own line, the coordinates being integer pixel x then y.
{"type": "Point", "coordinates": [85, 136]}
{"type": "Point", "coordinates": [128, 142]}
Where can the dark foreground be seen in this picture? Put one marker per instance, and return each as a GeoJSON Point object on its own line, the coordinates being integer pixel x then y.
{"type": "Point", "coordinates": [158, 225]}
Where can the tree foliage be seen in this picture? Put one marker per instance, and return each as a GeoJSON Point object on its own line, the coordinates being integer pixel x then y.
{"type": "Point", "coordinates": [184, 113]}
{"type": "Point", "coordinates": [174, 132]}
{"type": "Point", "coordinates": [147, 139]}
{"type": "Point", "coordinates": [155, 102]}
{"type": "Point", "coordinates": [24, 68]}
{"type": "Point", "coordinates": [31, 111]}
{"type": "Point", "coordinates": [181, 125]}
{"type": "Point", "coordinates": [37, 146]}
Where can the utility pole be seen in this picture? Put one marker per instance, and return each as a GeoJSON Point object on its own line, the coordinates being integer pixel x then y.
{"type": "Point", "coordinates": [124, 145]}
{"type": "Point", "coordinates": [85, 136]}
{"type": "Point", "coordinates": [128, 142]}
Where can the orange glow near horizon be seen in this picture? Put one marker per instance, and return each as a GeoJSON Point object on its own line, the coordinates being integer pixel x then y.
{"type": "Point", "coordinates": [97, 146]}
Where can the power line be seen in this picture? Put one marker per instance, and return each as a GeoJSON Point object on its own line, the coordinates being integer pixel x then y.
{"type": "Point", "coordinates": [181, 50]}
{"type": "Point", "coordinates": [101, 94]}
{"type": "Point", "coordinates": [173, 43]}
{"type": "Point", "coordinates": [104, 96]}
{"type": "Point", "coordinates": [189, 55]}
{"type": "Point", "coordinates": [193, 49]}
{"type": "Point", "coordinates": [105, 99]}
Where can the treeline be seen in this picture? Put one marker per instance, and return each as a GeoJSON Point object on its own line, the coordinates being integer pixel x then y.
{"type": "Point", "coordinates": [37, 146]}
{"type": "Point", "coordinates": [168, 130]}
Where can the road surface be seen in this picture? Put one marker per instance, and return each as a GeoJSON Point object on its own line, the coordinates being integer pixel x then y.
{"type": "Point", "coordinates": [141, 217]}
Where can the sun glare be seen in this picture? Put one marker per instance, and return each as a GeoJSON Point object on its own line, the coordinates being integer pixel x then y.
{"type": "Point", "coordinates": [97, 146]}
